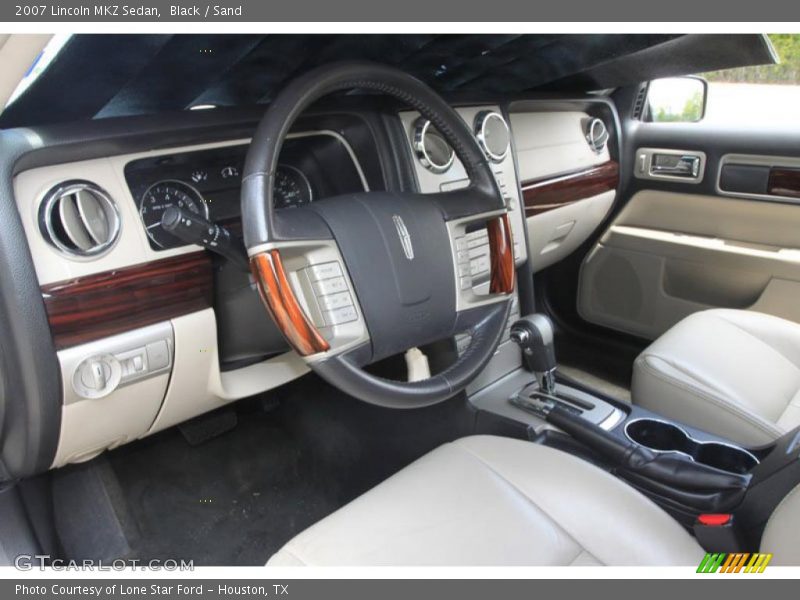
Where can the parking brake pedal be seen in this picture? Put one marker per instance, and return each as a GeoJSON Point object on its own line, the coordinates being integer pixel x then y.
{"type": "Point", "coordinates": [206, 427]}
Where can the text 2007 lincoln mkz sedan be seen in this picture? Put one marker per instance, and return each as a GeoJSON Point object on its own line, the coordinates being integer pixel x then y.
{"type": "Point", "coordinates": [400, 300]}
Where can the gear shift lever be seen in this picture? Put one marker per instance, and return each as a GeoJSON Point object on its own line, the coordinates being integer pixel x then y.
{"type": "Point", "coordinates": [534, 335]}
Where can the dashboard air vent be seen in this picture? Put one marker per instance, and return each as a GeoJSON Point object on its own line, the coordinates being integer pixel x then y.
{"type": "Point", "coordinates": [432, 151]}
{"type": "Point", "coordinates": [597, 135]}
{"type": "Point", "coordinates": [79, 218]}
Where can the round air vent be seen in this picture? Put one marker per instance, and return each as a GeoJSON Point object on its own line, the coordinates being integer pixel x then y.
{"type": "Point", "coordinates": [597, 135]}
{"type": "Point", "coordinates": [494, 136]}
{"type": "Point", "coordinates": [79, 218]}
{"type": "Point", "coordinates": [432, 151]}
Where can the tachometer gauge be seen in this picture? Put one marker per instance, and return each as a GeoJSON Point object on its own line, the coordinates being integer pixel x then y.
{"type": "Point", "coordinates": [292, 188]}
{"type": "Point", "coordinates": [158, 198]}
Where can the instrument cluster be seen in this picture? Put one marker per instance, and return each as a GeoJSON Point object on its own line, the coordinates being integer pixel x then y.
{"type": "Point", "coordinates": [207, 182]}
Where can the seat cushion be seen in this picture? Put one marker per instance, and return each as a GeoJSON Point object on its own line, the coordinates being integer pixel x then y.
{"type": "Point", "coordinates": [496, 501]}
{"type": "Point", "coordinates": [734, 373]}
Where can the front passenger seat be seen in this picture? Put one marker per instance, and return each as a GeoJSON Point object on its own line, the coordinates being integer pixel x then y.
{"type": "Point", "coordinates": [734, 373]}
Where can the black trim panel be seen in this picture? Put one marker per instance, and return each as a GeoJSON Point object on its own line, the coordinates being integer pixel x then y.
{"type": "Point", "coordinates": [30, 404]}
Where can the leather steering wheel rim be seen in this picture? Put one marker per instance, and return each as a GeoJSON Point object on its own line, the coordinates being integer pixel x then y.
{"type": "Point", "coordinates": [267, 231]}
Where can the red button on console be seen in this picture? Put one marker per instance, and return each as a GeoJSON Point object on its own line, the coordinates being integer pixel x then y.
{"type": "Point", "coordinates": [714, 520]}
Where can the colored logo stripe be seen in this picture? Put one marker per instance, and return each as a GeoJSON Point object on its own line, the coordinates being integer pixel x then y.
{"type": "Point", "coordinates": [758, 563]}
{"type": "Point", "coordinates": [734, 563]}
{"type": "Point", "coordinates": [710, 563]}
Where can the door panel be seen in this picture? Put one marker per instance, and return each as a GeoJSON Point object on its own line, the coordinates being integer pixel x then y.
{"type": "Point", "coordinates": [730, 238]}
{"type": "Point", "coordinates": [667, 255]}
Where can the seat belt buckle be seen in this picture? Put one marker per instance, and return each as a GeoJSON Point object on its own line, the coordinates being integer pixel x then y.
{"type": "Point", "coordinates": [716, 532]}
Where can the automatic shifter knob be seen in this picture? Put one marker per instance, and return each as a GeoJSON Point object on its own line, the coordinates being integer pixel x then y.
{"type": "Point", "coordinates": [534, 335]}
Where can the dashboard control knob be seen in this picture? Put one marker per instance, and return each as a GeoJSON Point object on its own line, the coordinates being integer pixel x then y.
{"type": "Point", "coordinates": [97, 376]}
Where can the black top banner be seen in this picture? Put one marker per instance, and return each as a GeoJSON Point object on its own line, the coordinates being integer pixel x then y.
{"type": "Point", "coordinates": [463, 11]}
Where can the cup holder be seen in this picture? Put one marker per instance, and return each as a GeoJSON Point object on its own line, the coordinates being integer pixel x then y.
{"type": "Point", "coordinates": [725, 457]}
{"type": "Point", "coordinates": [660, 436]}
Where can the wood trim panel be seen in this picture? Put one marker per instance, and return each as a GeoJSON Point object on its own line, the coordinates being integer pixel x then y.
{"type": "Point", "coordinates": [283, 306]}
{"type": "Point", "coordinates": [501, 256]}
{"type": "Point", "coordinates": [90, 308]}
{"type": "Point", "coordinates": [542, 195]}
{"type": "Point", "coordinates": [784, 182]}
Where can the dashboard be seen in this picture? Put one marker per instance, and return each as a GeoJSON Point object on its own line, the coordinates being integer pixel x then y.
{"type": "Point", "coordinates": [151, 331]}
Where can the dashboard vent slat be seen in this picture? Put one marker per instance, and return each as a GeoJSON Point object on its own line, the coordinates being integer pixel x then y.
{"type": "Point", "coordinates": [79, 219]}
{"type": "Point", "coordinates": [93, 215]}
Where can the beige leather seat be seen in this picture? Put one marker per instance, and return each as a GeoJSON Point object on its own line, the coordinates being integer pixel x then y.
{"type": "Point", "coordinates": [496, 501]}
{"type": "Point", "coordinates": [487, 500]}
{"type": "Point", "coordinates": [734, 373]}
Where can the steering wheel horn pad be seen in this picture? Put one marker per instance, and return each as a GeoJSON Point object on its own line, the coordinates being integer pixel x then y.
{"type": "Point", "coordinates": [397, 252]}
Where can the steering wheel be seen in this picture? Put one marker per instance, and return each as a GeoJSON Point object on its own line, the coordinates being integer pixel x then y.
{"type": "Point", "coordinates": [360, 277]}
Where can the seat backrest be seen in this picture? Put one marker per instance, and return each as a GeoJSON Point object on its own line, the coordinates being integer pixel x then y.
{"type": "Point", "coordinates": [781, 534]}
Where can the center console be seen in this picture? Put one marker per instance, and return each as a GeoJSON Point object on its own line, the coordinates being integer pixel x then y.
{"type": "Point", "coordinates": [688, 472]}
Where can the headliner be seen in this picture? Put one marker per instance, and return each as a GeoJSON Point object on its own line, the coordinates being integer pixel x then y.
{"type": "Point", "coordinates": [101, 76]}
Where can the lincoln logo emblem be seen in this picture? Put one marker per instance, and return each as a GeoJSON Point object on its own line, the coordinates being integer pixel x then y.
{"type": "Point", "coordinates": [405, 238]}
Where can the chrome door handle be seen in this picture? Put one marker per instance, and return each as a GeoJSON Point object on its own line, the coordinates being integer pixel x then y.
{"type": "Point", "coordinates": [687, 166]}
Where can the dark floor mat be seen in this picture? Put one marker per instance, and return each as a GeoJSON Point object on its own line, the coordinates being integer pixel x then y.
{"type": "Point", "coordinates": [237, 498]}
{"type": "Point", "coordinates": [233, 500]}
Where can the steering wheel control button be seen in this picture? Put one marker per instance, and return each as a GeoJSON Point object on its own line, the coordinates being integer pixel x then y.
{"type": "Point", "coordinates": [478, 238]}
{"type": "Point", "coordinates": [340, 316]}
{"type": "Point", "coordinates": [327, 297]}
{"type": "Point", "coordinates": [330, 286]}
{"type": "Point", "coordinates": [477, 254]}
{"type": "Point", "coordinates": [463, 263]}
{"type": "Point", "coordinates": [324, 271]}
{"type": "Point", "coordinates": [480, 265]}
{"type": "Point", "coordinates": [97, 376]}
{"type": "Point", "coordinates": [334, 301]}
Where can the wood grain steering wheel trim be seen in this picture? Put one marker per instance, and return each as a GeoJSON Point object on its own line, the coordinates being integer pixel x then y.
{"type": "Point", "coordinates": [283, 306]}
{"type": "Point", "coordinates": [501, 256]}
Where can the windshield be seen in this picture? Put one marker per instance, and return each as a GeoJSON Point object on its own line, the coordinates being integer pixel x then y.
{"type": "Point", "coordinates": [95, 76]}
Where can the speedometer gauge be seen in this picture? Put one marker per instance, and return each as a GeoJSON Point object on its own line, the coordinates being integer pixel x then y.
{"type": "Point", "coordinates": [292, 188]}
{"type": "Point", "coordinates": [158, 198]}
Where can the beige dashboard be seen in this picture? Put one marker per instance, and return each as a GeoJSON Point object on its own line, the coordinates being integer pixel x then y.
{"type": "Point", "coordinates": [561, 174]}
{"type": "Point", "coordinates": [129, 384]}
